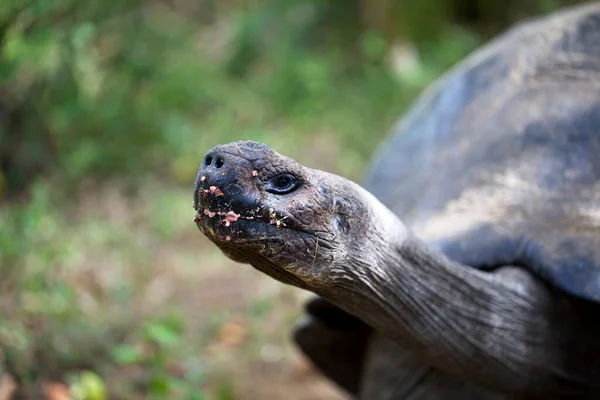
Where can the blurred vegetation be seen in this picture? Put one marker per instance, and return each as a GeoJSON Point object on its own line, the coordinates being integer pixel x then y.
{"type": "Point", "coordinates": [126, 95]}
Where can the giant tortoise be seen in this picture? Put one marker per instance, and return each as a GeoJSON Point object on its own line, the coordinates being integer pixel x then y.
{"type": "Point", "coordinates": [489, 287]}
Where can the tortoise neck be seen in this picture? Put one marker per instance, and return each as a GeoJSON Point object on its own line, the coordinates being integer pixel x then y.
{"type": "Point", "coordinates": [447, 313]}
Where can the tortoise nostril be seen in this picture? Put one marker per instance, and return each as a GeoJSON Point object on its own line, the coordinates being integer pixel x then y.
{"type": "Point", "coordinates": [208, 160]}
{"type": "Point", "coordinates": [219, 163]}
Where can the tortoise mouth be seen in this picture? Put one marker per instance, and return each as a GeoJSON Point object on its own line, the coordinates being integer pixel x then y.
{"type": "Point", "coordinates": [228, 213]}
{"type": "Point", "coordinates": [231, 215]}
{"type": "Point", "coordinates": [229, 225]}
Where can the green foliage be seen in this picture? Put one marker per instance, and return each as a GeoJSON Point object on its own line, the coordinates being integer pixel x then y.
{"type": "Point", "coordinates": [95, 89]}
{"type": "Point", "coordinates": [123, 87]}
{"type": "Point", "coordinates": [158, 345]}
{"type": "Point", "coordinates": [89, 72]}
{"type": "Point", "coordinates": [88, 386]}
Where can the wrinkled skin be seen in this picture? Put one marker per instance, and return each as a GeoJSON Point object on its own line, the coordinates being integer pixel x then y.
{"type": "Point", "coordinates": [296, 235]}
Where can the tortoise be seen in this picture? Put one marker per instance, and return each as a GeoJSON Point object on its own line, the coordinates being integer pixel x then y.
{"type": "Point", "coordinates": [467, 262]}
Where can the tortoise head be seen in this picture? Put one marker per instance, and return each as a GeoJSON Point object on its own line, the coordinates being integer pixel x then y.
{"type": "Point", "coordinates": [262, 208]}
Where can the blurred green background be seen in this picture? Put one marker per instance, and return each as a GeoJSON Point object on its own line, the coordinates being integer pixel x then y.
{"type": "Point", "coordinates": [107, 290]}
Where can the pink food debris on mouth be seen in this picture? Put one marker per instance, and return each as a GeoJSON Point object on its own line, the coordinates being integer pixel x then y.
{"type": "Point", "coordinates": [232, 216]}
{"type": "Point", "coordinates": [202, 179]}
{"type": "Point", "coordinates": [228, 238]}
{"type": "Point", "coordinates": [209, 213]}
{"type": "Point", "coordinates": [212, 189]}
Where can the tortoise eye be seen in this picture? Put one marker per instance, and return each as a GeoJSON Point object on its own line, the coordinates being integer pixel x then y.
{"type": "Point", "coordinates": [282, 184]}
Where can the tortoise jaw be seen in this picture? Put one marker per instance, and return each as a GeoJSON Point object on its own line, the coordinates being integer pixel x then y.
{"type": "Point", "coordinates": [238, 226]}
{"type": "Point", "coordinates": [229, 206]}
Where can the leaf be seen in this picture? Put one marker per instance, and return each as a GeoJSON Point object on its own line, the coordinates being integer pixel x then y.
{"type": "Point", "coordinates": [162, 334]}
{"type": "Point", "coordinates": [159, 385]}
{"type": "Point", "coordinates": [92, 385]}
{"type": "Point", "coordinates": [127, 354]}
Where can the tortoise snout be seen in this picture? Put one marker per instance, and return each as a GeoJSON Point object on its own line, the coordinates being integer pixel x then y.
{"type": "Point", "coordinates": [218, 169]}
{"type": "Point", "coordinates": [220, 180]}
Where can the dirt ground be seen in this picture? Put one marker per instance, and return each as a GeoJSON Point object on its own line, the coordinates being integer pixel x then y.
{"type": "Point", "coordinates": [253, 350]}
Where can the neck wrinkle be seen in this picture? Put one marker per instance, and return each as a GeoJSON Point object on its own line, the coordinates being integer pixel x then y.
{"type": "Point", "coordinates": [464, 321]}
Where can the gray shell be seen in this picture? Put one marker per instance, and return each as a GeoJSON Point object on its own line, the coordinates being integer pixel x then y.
{"type": "Point", "coordinates": [499, 163]}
